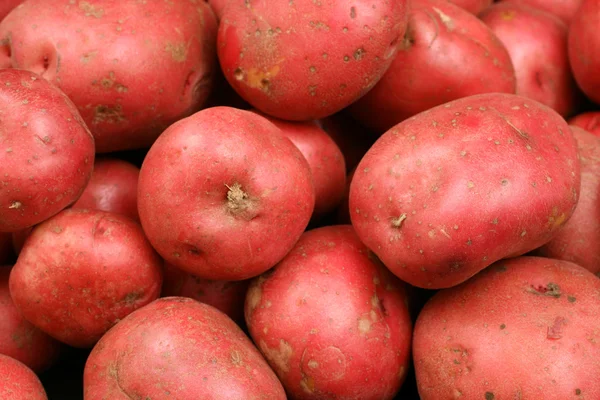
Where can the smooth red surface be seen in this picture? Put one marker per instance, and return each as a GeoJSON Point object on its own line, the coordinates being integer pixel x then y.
{"type": "Point", "coordinates": [584, 48]}
{"type": "Point", "coordinates": [17, 382]}
{"type": "Point", "coordinates": [473, 6]}
{"type": "Point", "coordinates": [564, 9]}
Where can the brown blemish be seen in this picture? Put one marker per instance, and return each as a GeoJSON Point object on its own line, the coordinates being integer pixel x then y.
{"type": "Point", "coordinates": [91, 10]}
{"type": "Point", "coordinates": [397, 222]}
{"type": "Point", "coordinates": [111, 115]}
{"type": "Point", "coordinates": [550, 290]}
{"type": "Point", "coordinates": [178, 51]}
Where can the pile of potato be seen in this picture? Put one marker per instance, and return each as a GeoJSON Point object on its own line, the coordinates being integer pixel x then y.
{"type": "Point", "coordinates": [303, 199]}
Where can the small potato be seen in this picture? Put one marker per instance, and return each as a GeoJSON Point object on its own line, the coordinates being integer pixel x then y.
{"type": "Point", "coordinates": [46, 150]}
{"type": "Point", "coordinates": [589, 121]}
{"type": "Point", "coordinates": [584, 48]}
{"type": "Point", "coordinates": [448, 192]}
{"type": "Point", "coordinates": [82, 271]}
{"type": "Point", "coordinates": [331, 320]}
{"type": "Point", "coordinates": [17, 382]}
{"type": "Point", "coordinates": [177, 348]}
{"type": "Point", "coordinates": [525, 328]}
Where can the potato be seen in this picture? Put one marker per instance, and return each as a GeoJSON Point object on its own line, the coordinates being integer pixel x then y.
{"type": "Point", "coordinates": [537, 43]}
{"type": "Point", "coordinates": [307, 59]}
{"type": "Point", "coordinates": [443, 195]}
{"type": "Point", "coordinates": [17, 382]}
{"type": "Point", "coordinates": [564, 9]}
{"type": "Point", "coordinates": [524, 328]}
{"type": "Point", "coordinates": [178, 348]}
{"type": "Point", "coordinates": [584, 48]}
{"type": "Point", "coordinates": [19, 339]}
{"type": "Point", "coordinates": [430, 67]}
{"type": "Point", "coordinates": [82, 271]}
{"type": "Point", "coordinates": [589, 121]}
{"type": "Point", "coordinates": [331, 320]}
{"type": "Point", "coordinates": [112, 188]}
{"type": "Point", "coordinates": [217, 188]}
{"type": "Point", "coordinates": [46, 150]}
{"type": "Point", "coordinates": [578, 240]}
{"type": "Point", "coordinates": [132, 67]}
{"type": "Point", "coordinates": [225, 296]}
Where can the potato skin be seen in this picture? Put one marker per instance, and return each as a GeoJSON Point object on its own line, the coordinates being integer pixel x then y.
{"type": "Point", "coordinates": [47, 152]}
{"type": "Point", "coordinates": [524, 328]}
{"type": "Point", "coordinates": [178, 348]}
{"type": "Point", "coordinates": [7, 6]}
{"type": "Point", "coordinates": [584, 48]}
{"type": "Point", "coordinates": [439, 38]}
{"type": "Point", "coordinates": [130, 73]}
{"type": "Point", "coordinates": [446, 193]}
{"type": "Point", "coordinates": [564, 9]}
{"type": "Point", "coordinates": [331, 320]}
{"type": "Point", "coordinates": [305, 59]}
{"type": "Point", "coordinates": [17, 382]}
{"type": "Point", "coordinates": [82, 271]}
{"type": "Point", "coordinates": [217, 187]}
{"type": "Point", "coordinates": [537, 43]}
{"type": "Point", "coordinates": [473, 6]}
{"type": "Point", "coordinates": [589, 121]}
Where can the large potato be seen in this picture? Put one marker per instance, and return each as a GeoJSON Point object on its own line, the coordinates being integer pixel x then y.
{"type": "Point", "coordinates": [446, 193]}
{"type": "Point", "coordinates": [307, 59]}
{"type": "Point", "coordinates": [132, 67]}
{"type": "Point", "coordinates": [331, 320]}
{"type": "Point", "coordinates": [178, 349]}
{"type": "Point", "coordinates": [525, 328]}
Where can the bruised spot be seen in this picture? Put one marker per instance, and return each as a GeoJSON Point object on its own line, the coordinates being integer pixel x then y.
{"type": "Point", "coordinates": [260, 78]}
{"type": "Point", "coordinates": [178, 51]}
{"type": "Point", "coordinates": [279, 357]}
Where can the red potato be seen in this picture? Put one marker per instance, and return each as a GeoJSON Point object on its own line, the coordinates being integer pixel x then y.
{"type": "Point", "coordinates": [537, 43]}
{"type": "Point", "coordinates": [584, 48]}
{"type": "Point", "coordinates": [589, 121]}
{"type": "Point", "coordinates": [331, 320]}
{"type": "Point", "coordinates": [46, 151]}
{"type": "Point", "coordinates": [306, 59]}
{"type": "Point", "coordinates": [224, 195]}
{"type": "Point", "coordinates": [525, 328]}
{"type": "Point", "coordinates": [325, 160]}
{"type": "Point", "coordinates": [564, 9]}
{"type": "Point", "coordinates": [113, 188]}
{"type": "Point", "coordinates": [6, 6]}
{"type": "Point", "coordinates": [82, 271]}
{"type": "Point", "coordinates": [473, 6]}
{"type": "Point", "coordinates": [226, 296]}
{"type": "Point", "coordinates": [439, 38]}
{"type": "Point", "coordinates": [20, 339]}
{"type": "Point", "coordinates": [443, 195]}
{"type": "Point", "coordinates": [178, 348]}
{"type": "Point", "coordinates": [17, 382]}
{"type": "Point", "coordinates": [130, 72]}
{"type": "Point", "coordinates": [579, 240]}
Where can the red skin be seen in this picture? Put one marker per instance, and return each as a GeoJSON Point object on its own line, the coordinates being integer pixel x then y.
{"type": "Point", "coordinates": [309, 58]}
{"type": "Point", "coordinates": [217, 188]}
{"type": "Point", "coordinates": [537, 43]}
{"type": "Point", "coordinates": [113, 188]}
{"type": "Point", "coordinates": [319, 348]}
{"type": "Point", "coordinates": [325, 160]}
{"type": "Point", "coordinates": [181, 349]}
{"type": "Point", "coordinates": [7, 6]}
{"type": "Point", "coordinates": [225, 296]}
{"type": "Point", "coordinates": [81, 272]}
{"type": "Point", "coordinates": [440, 37]}
{"type": "Point", "coordinates": [442, 196]}
{"type": "Point", "coordinates": [584, 48]}
{"type": "Point", "coordinates": [539, 316]}
{"type": "Point", "coordinates": [473, 6]}
{"type": "Point", "coordinates": [47, 152]}
{"type": "Point", "coordinates": [589, 121]}
{"type": "Point", "coordinates": [564, 9]}
{"type": "Point", "coordinates": [579, 240]}
{"type": "Point", "coordinates": [218, 6]}
{"type": "Point", "coordinates": [20, 339]}
{"type": "Point", "coordinates": [130, 73]}
{"type": "Point", "coordinates": [17, 382]}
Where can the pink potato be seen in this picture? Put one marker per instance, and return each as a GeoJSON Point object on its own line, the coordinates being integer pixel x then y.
{"type": "Point", "coordinates": [578, 240]}
{"type": "Point", "coordinates": [447, 54]}
{"type": "Point", "coordinates": [307, 59]}
{"type": "Point", "coordinates": [6, 6]}
{"type": "Point", "coordinates": [537, 43]}
{"type": "Point", "coordinates": [589, 121]}
{"type": "Point", "coordinates": [564, 9]}
{"type": "Point", "coordinates": [441, 196]}
{"type": "Point", "coordinates": [20, 339]}
{"type": "Point", "coordinates": [178, 348]}
{"type": "Point", "coordinates": [132, 67]}
{"type": "Point", "coordinates": [82, 271]}
{"type": "Point", "coordinates": [473, 6]}
{"type": "Point", "coordinates": [17, 382]}
{"type": "Point", "coordinates": [46, 150]}
{"type": "Point", "coordinates": [331, 320]}
{"type": "Point", "coordinates": [224, 195]}
{"type": "Point", "coordinates": [112, 187]}
{"type": "Point", "coordinates": [584, 48]}
{"type": "Point", "coordinates": [525, 328]}
{"type": "Point", "coordinates": [226, 296]}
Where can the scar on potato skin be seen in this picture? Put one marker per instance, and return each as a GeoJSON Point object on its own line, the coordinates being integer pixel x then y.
{"type": "Point", "coordinates": [397, 222]}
